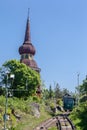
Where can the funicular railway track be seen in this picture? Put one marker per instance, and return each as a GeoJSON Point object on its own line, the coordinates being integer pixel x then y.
{"type": "Point", "coordinates": [64, 123]}
{"type": "Point", "coordinates": [61, 122]}
{"type": "Point", "coordinates": [47, 124]}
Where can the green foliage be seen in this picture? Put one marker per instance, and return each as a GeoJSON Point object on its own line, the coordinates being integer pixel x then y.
{"type": "Point", "coordinates": [59, 102]}
{"type": "Point", "coordinates": [26, 80]}
{"type": "Point", "coordinates": [54, 92]}
{"type": "Point", "coordinates": [83, 98]}
{"type": "Point", "coordinates": [36, 99]}
{"type": "Point", "coordinates": [79, 116]}
{"type": "Point", "coordinates": [53, 128]}
{"type": "Point", "coordinates": [82, 89]}
{"type": "Point", "coordinates": [52, 106]}
{"type": "Point", "coordinates": [65, 91]}
{"type": "Point", "coordinates": [48, 93]}
{"type": "Point", "coordinates": [12, 128]}
{"type": "Point", "coordinates": [45, 93]}
{"type": "Point", "coordinates": [2, 91]}
{"type": "Point", "coordinates": [57, 91]}
{"type": "Point", "coordinates": [51, 93]}
{"type": "Point", "coordinates": [23, 108]}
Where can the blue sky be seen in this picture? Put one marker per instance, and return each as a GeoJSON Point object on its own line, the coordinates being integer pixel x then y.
{"type": "Point", "coordinates": [58, 32]}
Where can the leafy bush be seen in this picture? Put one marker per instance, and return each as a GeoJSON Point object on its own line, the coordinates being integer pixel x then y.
{"type": "Point", "coordinates": [59, 102]}
{"type": "Point", "coordinates": [36, 99]}
{"type": "Point", "coordinates": [2, 100]}
{"type": "Point", "coordinates": [83, 98]}
{"type": "Point", "coordinates": [12, 128]}
{"type": "Point", "coordinates": [79, 116]}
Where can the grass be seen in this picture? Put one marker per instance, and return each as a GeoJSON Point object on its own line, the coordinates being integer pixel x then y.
{"type": "Point", "coordinates": [30, 122]}
{"type": "Point", "coordinates": [27, 121]}
{"type": "Point", "coordinates": [53, 128]}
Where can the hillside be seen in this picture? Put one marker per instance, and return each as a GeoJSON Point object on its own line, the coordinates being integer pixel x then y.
{"type": "Point", "coordinates": [25, 116]}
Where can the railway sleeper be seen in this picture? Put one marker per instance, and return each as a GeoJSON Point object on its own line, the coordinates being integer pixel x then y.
{"type": "Point", "coordinates": [63, 123]}
{"type": "Point", "coordinates": [47, 124]}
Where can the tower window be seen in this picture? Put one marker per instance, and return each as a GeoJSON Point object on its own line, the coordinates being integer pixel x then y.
{"type": "Point", "coordinates": [30, 56]}
{"type": "Point", "coordinates": [22, 56]}
{"type": "Point", "coordinates": [26, 56]}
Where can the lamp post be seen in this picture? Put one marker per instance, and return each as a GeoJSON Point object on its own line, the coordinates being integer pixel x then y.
{"type": "Point", "coordinates": [6, 102]}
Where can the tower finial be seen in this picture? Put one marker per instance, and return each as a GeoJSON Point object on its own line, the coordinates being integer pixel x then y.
{"type": "Point", "coordinates": [28, 12]}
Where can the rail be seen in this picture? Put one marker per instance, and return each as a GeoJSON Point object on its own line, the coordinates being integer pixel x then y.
{"type": "Point", "coordinates": [47, 124]}
{"type": "Point", "coordinates": [64, 123]}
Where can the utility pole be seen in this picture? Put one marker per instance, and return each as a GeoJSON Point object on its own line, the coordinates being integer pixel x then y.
{"type": "Point", "coordinates": [78, 87]}
{"type": "Point", "coordinates": [78, 79]}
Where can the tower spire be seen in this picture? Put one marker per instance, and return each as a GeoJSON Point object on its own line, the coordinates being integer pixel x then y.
{"type": "Point", "coordinates": [27, 50]}
{"type": "Point", "coordinates": [28, 12]}
{"type": "Point", "coordinates": [27, 32]}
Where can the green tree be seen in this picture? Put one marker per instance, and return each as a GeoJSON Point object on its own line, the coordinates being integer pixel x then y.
{"type": "Point", "coordinates": [45, 93]}
{"type": "Point", "coordinates": [51, 93]}
{"type": "Point", "coordinates": [57, 91]}
{"type": "Point", "coordinates": [25, 78]}
{"type": "Point", "coordinates": [65, 91]}
{"type": "Point", "coordinates": [82, 89]}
